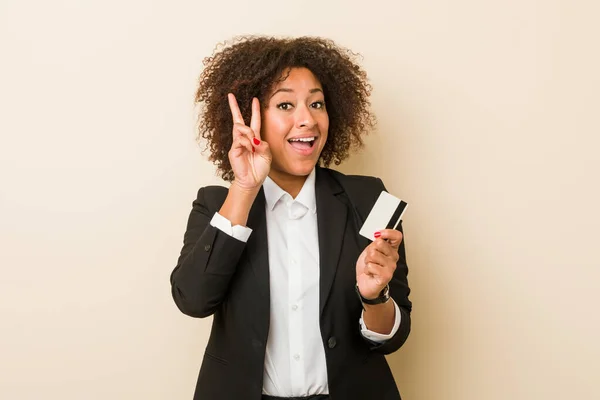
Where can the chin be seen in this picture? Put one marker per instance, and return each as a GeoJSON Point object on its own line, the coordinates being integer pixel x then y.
{"type": "Point", "coordinates": [303, 169]}
{"type": "Point", "coordinates": [298, 169]}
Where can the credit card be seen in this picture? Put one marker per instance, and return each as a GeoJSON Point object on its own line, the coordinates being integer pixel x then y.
{"type": "Point", "coordinates": [385, 214]}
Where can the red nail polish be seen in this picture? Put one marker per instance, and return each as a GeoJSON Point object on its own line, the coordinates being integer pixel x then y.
{"type": "Point", "coordinates": [253, 149]}
{"type": "Point", "coordinates": [377, 234]}
{"type": "Point", "coordinates": [256, 141]}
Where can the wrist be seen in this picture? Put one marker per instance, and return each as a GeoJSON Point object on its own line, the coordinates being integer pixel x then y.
{"type": "Point", "coordinates": [381, 298]}
{"type": "Point", "coordinates": [369, 309]}
{"type": "Point", "coordinates": [244, 191]}
{"type": "Point", "coordinates": [238, 203]}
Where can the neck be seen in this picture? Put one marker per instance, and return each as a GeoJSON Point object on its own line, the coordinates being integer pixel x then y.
{"type": "Point", "coordinates": [290, 183]}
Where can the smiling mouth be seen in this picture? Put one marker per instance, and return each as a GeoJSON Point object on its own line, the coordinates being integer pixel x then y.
{"type": "Point", "coordinates": [303, 143]}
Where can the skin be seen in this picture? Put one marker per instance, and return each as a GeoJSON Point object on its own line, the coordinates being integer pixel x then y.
{"type": "Point", "coordinates": [374, 270]}
{"type": "Point", "coordinates": [296, 108]}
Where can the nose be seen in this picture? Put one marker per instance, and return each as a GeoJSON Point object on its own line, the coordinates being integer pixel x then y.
{"type": "Point", "coordinates": [304, 118]}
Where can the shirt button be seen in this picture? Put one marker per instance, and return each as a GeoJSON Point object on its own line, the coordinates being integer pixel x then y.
{"type": "Point", "coordinates": [296, 357]}
{"type": "Point", "coordinates": [332, 342]}
{"type": "Point", "coordinates": [207, 247]}
{"type": "Point", "coordinates": [294, 307]}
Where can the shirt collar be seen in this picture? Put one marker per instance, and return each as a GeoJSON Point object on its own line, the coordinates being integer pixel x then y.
{"type": "Point", "coordinates": [306, 197]}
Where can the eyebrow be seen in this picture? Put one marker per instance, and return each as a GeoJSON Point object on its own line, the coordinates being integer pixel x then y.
{"type": "Point", "coordinates": [287, 90]}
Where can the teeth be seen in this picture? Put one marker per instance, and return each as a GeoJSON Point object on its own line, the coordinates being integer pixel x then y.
{"type": "Point", "coordinates": [302, 139]}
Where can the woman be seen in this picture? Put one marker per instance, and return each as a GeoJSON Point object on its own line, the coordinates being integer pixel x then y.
{"type": "Point", "coordinates": [303, 306]}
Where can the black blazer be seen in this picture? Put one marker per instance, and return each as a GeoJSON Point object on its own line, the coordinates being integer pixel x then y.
{"type": "Point", "coordinates": [219, 275]}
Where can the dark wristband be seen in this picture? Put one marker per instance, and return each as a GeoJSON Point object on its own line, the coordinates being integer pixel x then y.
{"type": "Point", "coordinates": [383, 297]}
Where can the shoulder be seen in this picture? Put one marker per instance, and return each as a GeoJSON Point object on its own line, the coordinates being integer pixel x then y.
{"type": "Point", "coordinates": [362, 191]}
{"type": "Point", "coordinates": [356, 182]}
{"type": "Point", "coordinates": [211, 197]}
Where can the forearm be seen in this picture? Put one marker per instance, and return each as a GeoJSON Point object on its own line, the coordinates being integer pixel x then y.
{"type": "Point", "coordinates": [380, 318]}
{"type": "Point", "coordinates": [201, 278]}
{"type": "Point", "coordinates": [208, 259]}
{"type": "Point", "coordinates": [236, 207]}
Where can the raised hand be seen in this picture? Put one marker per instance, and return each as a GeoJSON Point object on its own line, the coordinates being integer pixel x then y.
{"type": "Point", "coordinates": [249, 156]}
{"type": "Point", "coordinates": [376, 265]}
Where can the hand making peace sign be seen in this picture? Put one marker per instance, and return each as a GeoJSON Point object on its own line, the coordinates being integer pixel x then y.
{"type": "Point", "coordinates": [249, 156]}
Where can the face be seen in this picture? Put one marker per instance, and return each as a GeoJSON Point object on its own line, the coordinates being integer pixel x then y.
{"type": "Point", "coordinates": [295, 124]}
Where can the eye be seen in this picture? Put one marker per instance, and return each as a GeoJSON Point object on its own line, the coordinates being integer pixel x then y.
{"type": "Point", "coordinates": [285, 106]}
{"type": "Point", "coordinates": [318, 105]}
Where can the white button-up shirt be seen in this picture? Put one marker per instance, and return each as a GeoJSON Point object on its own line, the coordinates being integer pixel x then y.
{"type": "Point", "coordinates": [295, 358]}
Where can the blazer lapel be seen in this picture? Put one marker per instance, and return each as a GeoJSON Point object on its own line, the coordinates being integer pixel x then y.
{"type": "Point", "coordinates": [331, 222]}
{"type": "Point", "coordinates": [331, 226]}
{"type": "Point", "coordinates": [258, 250]}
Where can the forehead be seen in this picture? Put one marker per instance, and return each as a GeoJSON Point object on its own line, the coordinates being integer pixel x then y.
{"type": "Point", "coordinates": [297, 78]}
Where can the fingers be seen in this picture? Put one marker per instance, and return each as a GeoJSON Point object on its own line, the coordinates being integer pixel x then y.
{"type": "Point", "coordinates": [263, 150]}
{"type": "Point", "coordinates": [235, 110]}
{"type": "Point", "coordinates": [385, 247]}
{"type": "Point", "coordinates": [242, 142]}
{"type": "Point", "coordinates": [376, 256]}
{"type": "Point", "coordinates": [382, 253]}
{"type": "Point", "coordinates": [242, 130]}
{"type": "Point", "coordinates": [381, 274]}
{"type": "Point", "coordinates": [392, 236]}
{"type": "Point", "coordinates": [255, 121]}
{"type": "Point", "coordinates": [239, 126]}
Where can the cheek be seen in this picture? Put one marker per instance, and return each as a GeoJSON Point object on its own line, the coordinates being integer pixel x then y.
{"type": "Point", "coordinates": [324, 126]}
{"type": "Point", "coordinates": [324, 122]}
{"type": "Point", "coordinates": [274, 129]}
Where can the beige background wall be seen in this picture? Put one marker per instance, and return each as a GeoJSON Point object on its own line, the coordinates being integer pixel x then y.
{"type": "Point", "coordinates": [488, 127]}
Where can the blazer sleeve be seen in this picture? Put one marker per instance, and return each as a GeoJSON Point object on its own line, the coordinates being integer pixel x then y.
{"type": "Point", "coordinates": [399, 291]}
{"type": "Point", "coordinates": [208, 259]}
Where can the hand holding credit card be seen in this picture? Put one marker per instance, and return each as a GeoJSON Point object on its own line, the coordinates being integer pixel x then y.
{"type": "Point", "coordinates": [385, 214]}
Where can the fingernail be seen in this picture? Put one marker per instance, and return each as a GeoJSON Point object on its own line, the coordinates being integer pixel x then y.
{"type": "Point", "coordinates": [377, 234]}
{"type": "Point", "coordinates": [256, 141]}
{"type": "Point", "coordinates": [253, 149]}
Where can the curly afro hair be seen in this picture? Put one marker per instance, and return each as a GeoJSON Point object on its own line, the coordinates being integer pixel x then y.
{"type": "Point", "coordinates": [250, 66]}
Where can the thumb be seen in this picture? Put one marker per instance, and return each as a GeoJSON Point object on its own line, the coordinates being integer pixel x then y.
{"type": "Point", "coordinates": [262, 148]}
